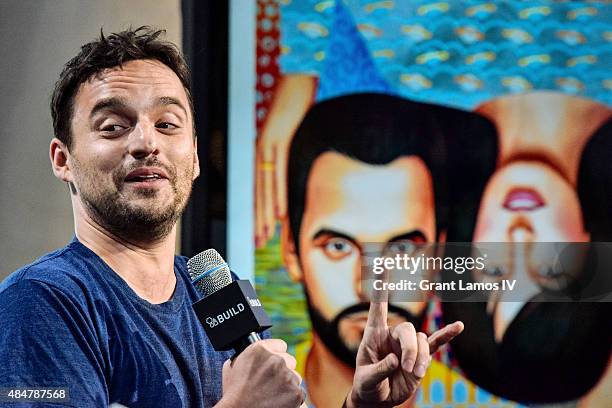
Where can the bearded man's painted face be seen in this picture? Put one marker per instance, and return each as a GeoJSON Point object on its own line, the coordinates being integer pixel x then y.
{"type": "Point", "coordinates": [352, 205]}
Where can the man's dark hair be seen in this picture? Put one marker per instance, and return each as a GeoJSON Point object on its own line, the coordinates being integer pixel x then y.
{"type": "Point", "coordinates": [107, 52]}
{"type": "Point", "coordinates": [459, 149]}
{"type": "Point", "coordinates": [595, 184]}
{"type": "Point", "coordinates": [594, 188]}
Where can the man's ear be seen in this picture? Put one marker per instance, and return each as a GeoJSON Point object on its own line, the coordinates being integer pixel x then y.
{"type": "Point", "coordinates": [58, 153]}
{"type": "Point", "coordinates": [196, 160]}
{"type": "Point", "coordinates": [289, 253]}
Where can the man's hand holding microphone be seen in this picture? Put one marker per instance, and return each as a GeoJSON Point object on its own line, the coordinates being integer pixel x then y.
{"type": "Point", "coordinates": [263, 375]}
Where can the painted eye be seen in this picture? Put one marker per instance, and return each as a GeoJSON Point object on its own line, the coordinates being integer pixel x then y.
{"type": "Point", "coordinates": [400, 248]}
{"type": "Point", "coordinates": [554, 278]}
{"type": "Point", "coordinates": [547, 271]}
{"type": "Point", "coordinates": [338, 248]}
{"type": "Point", "coordinates": [495, 271]}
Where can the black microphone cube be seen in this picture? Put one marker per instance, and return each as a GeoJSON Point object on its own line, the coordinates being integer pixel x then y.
{"type": "Point", "coordinates": [231, 314]}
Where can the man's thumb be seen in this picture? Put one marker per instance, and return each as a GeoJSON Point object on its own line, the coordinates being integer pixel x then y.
{"type": "Point", "coordinates": [381, 370]}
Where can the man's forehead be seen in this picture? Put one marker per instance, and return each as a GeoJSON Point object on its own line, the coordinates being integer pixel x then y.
{"type": "Point", "coordinates": [137, 76]}
{"type": "Point", "coordinates": [144, 82]}
{"type": "Point", "coordinates": [137, 68]}
{"type": "Point", "coordinates": [375, 201]}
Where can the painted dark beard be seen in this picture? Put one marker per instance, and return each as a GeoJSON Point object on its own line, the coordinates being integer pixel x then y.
{"type": "Point", "coordinates": [117, 215]}
{"type": "Point", "coordinates": [330, 334]}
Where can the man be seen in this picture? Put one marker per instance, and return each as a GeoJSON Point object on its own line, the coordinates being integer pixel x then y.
{"type": "Point", "coordinates": [108, 318]}
{"type": "Point", "coordinates": [367, 177]}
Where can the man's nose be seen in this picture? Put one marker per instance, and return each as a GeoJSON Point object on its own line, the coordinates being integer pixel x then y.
{"type": "Point", "coordinates": [509, 304]}
{"type": "Point", "coordinates": [142, 141]}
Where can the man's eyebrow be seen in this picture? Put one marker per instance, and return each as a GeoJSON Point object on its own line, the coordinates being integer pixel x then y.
{"type": "Point", "coordinates": [416, 235]}
{"type": "Point", "coordinates": [169, 100]}
{"type": "Point", "coordinates": [334, 233]}
{"type": "Point", "coordinates": [115, 103]}
{"type": "Point", "coordinates": [108, 103]}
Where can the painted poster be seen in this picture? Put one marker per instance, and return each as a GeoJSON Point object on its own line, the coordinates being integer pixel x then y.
{"type": "Point", "coordinates": [390, 124]}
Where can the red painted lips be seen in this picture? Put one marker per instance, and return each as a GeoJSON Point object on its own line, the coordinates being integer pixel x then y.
{"type": "Point", "coordinates": [523, 199]}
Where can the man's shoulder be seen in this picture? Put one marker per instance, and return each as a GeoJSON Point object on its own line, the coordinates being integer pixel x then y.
{"type": "Point", "coordinates": [66, 269]}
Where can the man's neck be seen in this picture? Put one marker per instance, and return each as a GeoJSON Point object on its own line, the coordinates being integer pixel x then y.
{"type": "Point", "coordinates": [147, 267]}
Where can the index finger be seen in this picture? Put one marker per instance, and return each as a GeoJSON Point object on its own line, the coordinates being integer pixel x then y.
{"type": "Point", "coordinates": [379, 303]}
{"type": "Point", "coordinates": [444, 335]}
{"type": "Point", "coordinates": [377, 316]}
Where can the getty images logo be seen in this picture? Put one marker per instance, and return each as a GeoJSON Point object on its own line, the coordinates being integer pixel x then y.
{"type": "Point", "coordinates": [228, 314]}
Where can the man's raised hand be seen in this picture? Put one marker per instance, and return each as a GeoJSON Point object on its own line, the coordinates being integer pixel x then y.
{"type": "Point", "coordinates": [391, 361]}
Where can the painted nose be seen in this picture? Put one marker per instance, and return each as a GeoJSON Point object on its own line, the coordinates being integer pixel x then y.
{"type": "Point", "coordinates": [360, 282]}
{"type": "Point", "coordinates": [509, 304]}
{"type": "Point", "coordinates": [358, 288]}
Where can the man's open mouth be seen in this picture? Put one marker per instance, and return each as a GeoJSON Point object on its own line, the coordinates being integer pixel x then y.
{"type": "Point", "coordinates": [146, 175]}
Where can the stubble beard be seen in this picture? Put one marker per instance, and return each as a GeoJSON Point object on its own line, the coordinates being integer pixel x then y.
{"type": "Point", "coordinates": [329, 330]}
{"type": "Point", "coordinates": [109, 207]}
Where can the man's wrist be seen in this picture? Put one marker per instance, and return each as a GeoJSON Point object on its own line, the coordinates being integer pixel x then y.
{"type": "Point", "coordinates": [353, 402]}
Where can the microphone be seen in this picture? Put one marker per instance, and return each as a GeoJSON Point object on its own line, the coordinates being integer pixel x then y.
{"type": "Point", "coordinates": [230, 311]}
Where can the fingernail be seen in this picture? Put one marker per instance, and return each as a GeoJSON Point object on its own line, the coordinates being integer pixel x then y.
{"type": "Point", "coordinates": [419, 370]}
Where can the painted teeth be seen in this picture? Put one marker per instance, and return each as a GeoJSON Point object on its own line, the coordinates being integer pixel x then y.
{"type": "Point", "coordinates": [523, 203]}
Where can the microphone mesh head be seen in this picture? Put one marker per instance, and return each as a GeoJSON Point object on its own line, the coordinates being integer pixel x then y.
{"type": "Point", "coordinates": [209, 272]}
